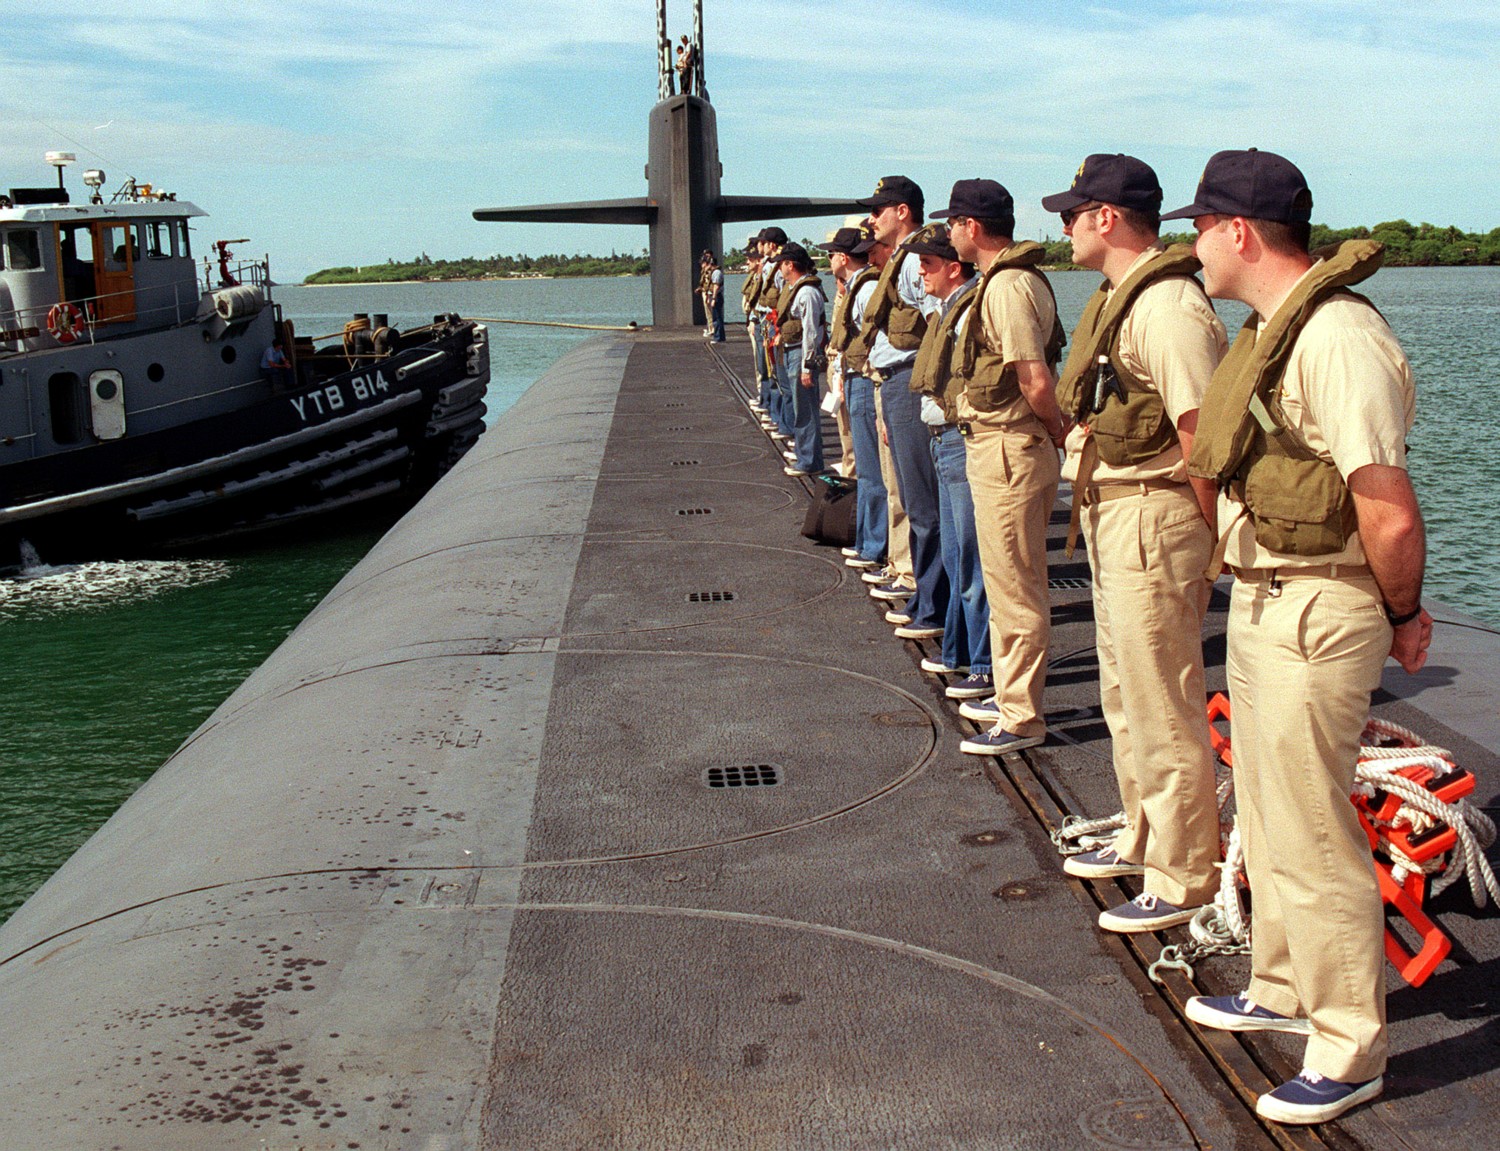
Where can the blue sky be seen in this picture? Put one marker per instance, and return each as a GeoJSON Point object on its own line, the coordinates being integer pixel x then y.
{"type": "Point", "coordinates": [334, 133]}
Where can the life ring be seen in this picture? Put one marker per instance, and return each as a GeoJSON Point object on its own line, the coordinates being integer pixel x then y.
{"type": "Point", "coordinates": [65, 322]}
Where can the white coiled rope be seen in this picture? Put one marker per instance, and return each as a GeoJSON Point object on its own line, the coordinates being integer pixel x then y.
{"type": "Point", "coordinates": [1221, 927]}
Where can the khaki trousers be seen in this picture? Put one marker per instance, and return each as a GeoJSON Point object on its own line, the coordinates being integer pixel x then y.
{"type": "Point", "coordinates": [898, 538]}
{"type": "Point", "coordinates": [1148, 553]}
{"type": "Point", "coordinates": [1013, 474]}
{"type": "Point", "coordinates": [1302, 665]}
{"type": "Point", "coordinates": [846, 441]}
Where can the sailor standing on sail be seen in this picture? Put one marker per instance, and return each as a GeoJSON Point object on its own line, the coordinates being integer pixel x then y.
{"type": "Point", "coordinates": [1304, 430]}
{"type": "Point", "coordinates": [1141, 357]}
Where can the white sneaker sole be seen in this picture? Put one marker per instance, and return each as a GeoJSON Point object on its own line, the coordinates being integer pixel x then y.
{"type": "Point", "coordinates": [1100, 870]}
{"type": "Point", "coordinates": [1205, 1016]}
{"type": "Point", "coordinates": [1123, 926]}
{"type": "Point", "coordinates": [1278, 1112]}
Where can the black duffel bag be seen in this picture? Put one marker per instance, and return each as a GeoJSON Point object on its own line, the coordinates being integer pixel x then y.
{"type": "Point", "coordinates": [830, 519]}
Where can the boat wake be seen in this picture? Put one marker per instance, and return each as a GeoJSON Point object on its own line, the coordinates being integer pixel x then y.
{"type": "Point", "coordinates": [44, 589]}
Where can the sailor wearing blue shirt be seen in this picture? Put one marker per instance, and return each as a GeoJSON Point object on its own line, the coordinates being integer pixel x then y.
{"type": "Point", "coordinates": [966, 629]}
{"type": "Point", "coordinates": [803, 336]}
{"type": "Point", "coordinates": [893, 328]}
{"type": "Point", "coordinates": [772, 389]}
{"type": "Point", "coordinates": [849, 260]}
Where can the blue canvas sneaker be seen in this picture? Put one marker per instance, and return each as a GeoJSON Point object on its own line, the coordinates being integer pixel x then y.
{"type": "Point", "coordinates": [936, 666]}
{"type": "Point", "coordinates": [891, 591]}
{"type": "Point", "coordinates": [977, 685]}
{"type": "Point", "coordinates": [981, 711]}
{"type": "Point", "coordinates": [1310, 1098]}
{"type": "Point", "coordinates": [999, 742]}
{"type": "Point", "coordinates": [1103, 863]}
{"type": "Point", "coordinates": [1146, 912]}
{"type": "Point", "coordinates": [1241, 1013]}
{"type": "Point", "coordinates": [918, 631]}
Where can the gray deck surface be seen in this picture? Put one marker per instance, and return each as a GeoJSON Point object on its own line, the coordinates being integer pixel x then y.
{"type": "Point", "coordinates": [445, 873]}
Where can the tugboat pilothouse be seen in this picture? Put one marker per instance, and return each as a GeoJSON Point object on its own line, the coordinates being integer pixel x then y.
{"type": "Point", "coordinates": [143, 404]}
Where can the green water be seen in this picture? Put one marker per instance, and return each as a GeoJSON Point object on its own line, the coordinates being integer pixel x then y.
{"type": "Point", "coordinates": [113, 665]}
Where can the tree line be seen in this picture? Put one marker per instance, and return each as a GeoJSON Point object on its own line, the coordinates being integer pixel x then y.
{"type": "Point", "coordinates": [424, 267]}
{"type": "Point", "coordinates": [1406, 245]}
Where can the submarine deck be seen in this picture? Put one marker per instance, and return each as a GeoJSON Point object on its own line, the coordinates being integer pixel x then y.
{"type": "Point", "coordinates": [450, 869]}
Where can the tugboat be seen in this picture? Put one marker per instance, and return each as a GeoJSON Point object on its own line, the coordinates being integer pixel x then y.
{"type": "Point", "coordinates": [144, 405]}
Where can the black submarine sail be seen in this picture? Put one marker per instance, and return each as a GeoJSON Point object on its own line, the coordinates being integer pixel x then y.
{"type": "Point", "coordinates": [683, 208]}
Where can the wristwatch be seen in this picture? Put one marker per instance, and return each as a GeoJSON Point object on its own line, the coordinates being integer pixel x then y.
{"type": "Point", "coordinates": [1404, 617]}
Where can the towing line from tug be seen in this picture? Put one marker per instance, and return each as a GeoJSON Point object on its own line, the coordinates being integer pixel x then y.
{"type": "Point", "coordinates": [134, 409]}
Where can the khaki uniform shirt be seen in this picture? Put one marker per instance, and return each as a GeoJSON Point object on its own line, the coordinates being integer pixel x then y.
{"type": "Point", "coordinates": [1348, 396]}
{"type": "Point", "coordinates": [1017, 313]}
{"type": "Point", "coordinates": [1171, 341]}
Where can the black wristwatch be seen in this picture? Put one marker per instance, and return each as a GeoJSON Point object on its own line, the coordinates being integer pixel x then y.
{"type": "Point", "coordinates": [1404, 617]}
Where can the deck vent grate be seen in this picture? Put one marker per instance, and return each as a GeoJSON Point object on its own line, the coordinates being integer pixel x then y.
{"type": "Point", "coordinates": [710, 597]}
{"type": "Point", "coordinates": [685, 463]}
{"type": "Point", "coordinates": [744, 775]}
{"type": "Point", "coordinates": [1068, 583]}
{"type": "Point", "coordinates": [675, 404]}
{"type": "Point", "coordinates": [695, 511]}
{"type": "Point", "coordinates": [680, 428]}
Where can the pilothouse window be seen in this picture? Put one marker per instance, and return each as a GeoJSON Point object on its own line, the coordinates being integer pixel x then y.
{"type": "Point", "coordinates": [116, 237]}
{"type": "Point", "coordinates": [159, 239]}
{"type": "Point", "coordinates": [23, 250]}
{"type": "Point", "coordinates": [77, 245]}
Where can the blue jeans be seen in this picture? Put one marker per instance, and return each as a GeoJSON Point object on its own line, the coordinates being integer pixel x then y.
{"type": "Point", "coordinates": [871, 518]}
{"type": "Point", "coordinates": [966, 632]}
{"type": "Point", "coordinates": [777, 403]}
{"type": "Point", "coordinates": [718, 317]}
{"type": "Point", "coordinates": [909, 437]}
{"type": "Point", "coordinates": [802, 405]}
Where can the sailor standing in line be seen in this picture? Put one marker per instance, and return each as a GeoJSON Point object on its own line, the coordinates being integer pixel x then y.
{"type": "Point", "coordinates": [1009, 404]}
{"type": "Point", "coordinates": [966, 628]}
{"type": "Point", "coordinates": [1304, 429]}
{"type": "Point", "coordinates": [1140, 360]}
{"type": "Point", "coordinates": [749, 294]}
{"type": "Point", "coordinates": [703, 293]}
{"type": "Point", "coordinates": [766, 305]}
{"type": "Point", "coordinates": [714, 297]}
{"type": "Point", "coordinates": [802, 335]}
{"type": "Point", "coordinates": [889, 339]}
{"type": "Point", "coordinates": [848, 259]}
{"type": "Point", "coordinates": [894, 583]}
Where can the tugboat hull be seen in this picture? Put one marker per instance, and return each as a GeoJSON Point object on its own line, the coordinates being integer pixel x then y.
{"type": "Point", "coordinates": [381, 432]}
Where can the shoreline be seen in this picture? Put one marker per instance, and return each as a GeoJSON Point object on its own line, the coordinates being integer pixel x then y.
{"type": "Point", "coordinates": [467, 280]}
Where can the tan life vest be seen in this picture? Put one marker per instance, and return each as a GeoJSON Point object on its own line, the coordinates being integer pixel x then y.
{"type": "Point", "coordinates": [750, 293]}
{"type": "Point", "coordinates": [790, 328]}
{"type": "Point", "coordinates": [1138, 429]}
{"type": "Point", "coordinates": [902, 324]}
{"type": "Point", "coordinates": [770, 294]}
{"type": "Point", "coordinates": [1298, 504]}
{"type": "Point", "coordinates": [990, 382]}
{"type": "Point", "coordinates": [839, 331]}
{"type": "Point", "coordinates": [933, 374]}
